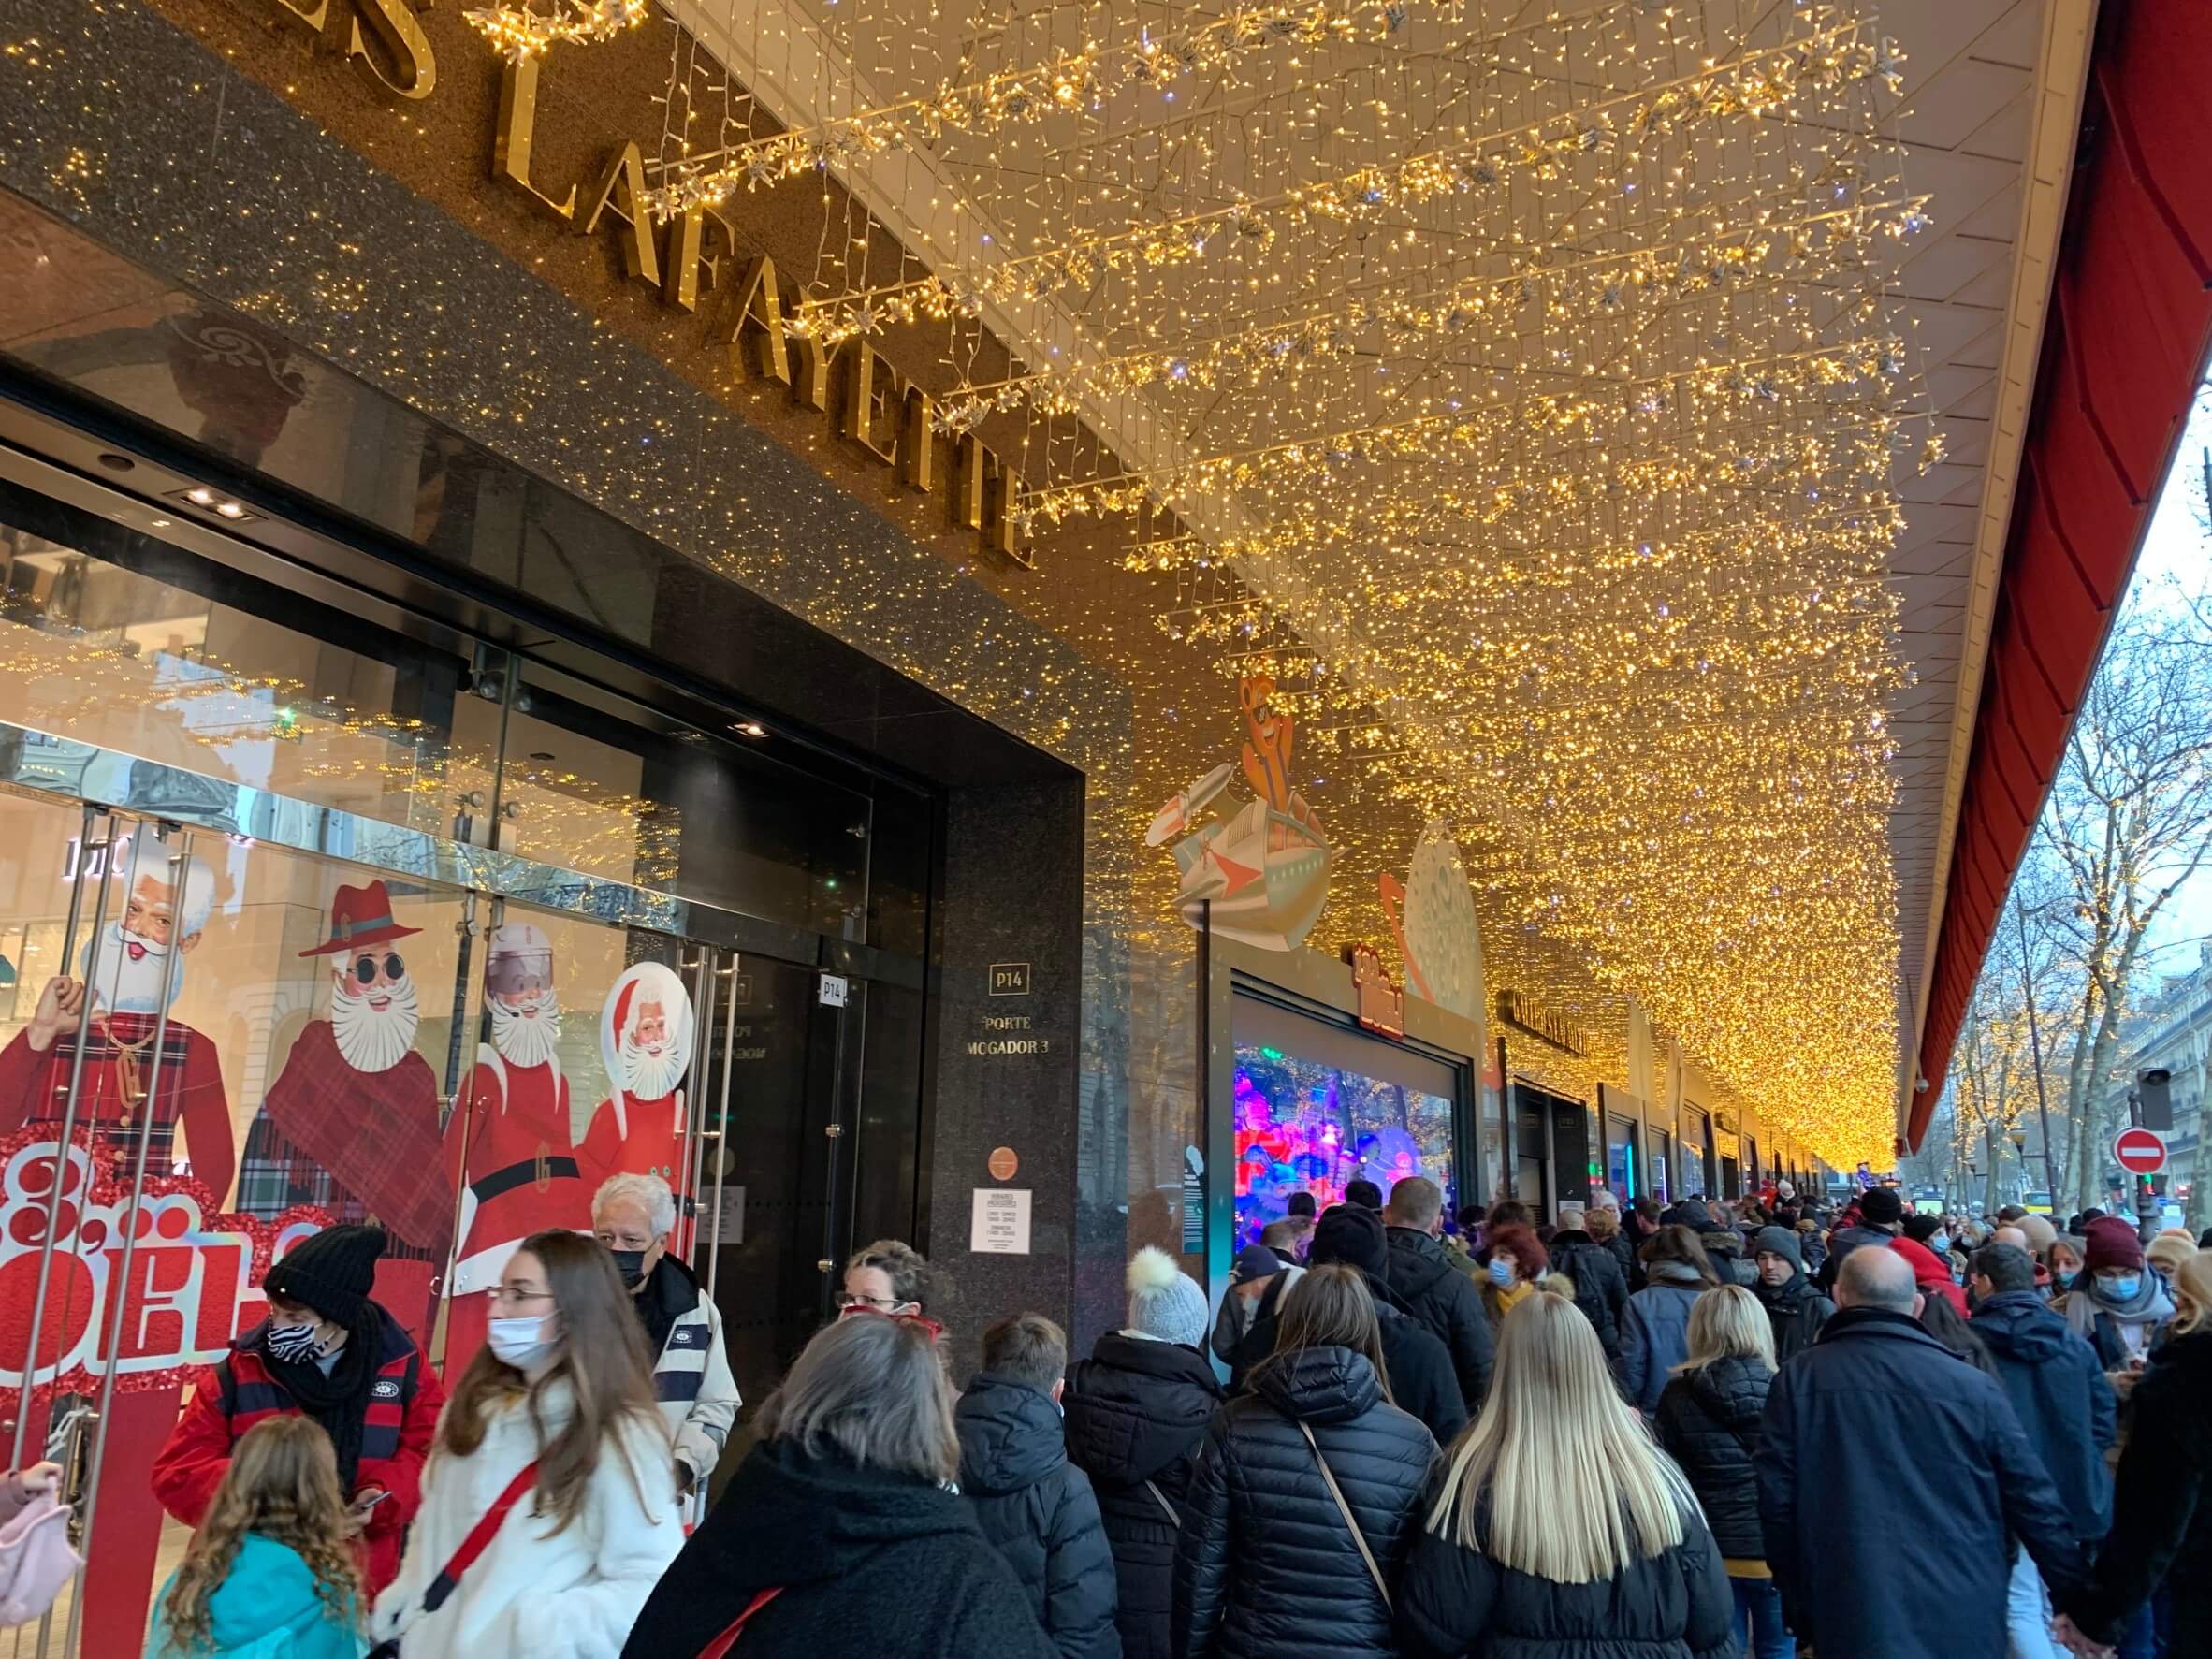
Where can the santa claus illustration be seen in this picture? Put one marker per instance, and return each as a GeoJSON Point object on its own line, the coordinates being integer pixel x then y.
{"type": "Point", "coordinates": [133, 968]}
{"type": "Point", "coordinates": [507, 1144]}
{"type": "Point", "coordinates": [351, 1123]}
{"type": "Point", "coordinates": [645, 1037]}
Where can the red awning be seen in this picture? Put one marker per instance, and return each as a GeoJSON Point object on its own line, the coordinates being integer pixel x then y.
{"type": "Point", "coordinates": [2122, 353]}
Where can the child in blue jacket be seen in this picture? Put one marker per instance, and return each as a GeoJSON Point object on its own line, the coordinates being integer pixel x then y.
{"type": "Point", "coordinates": [271, 1572]}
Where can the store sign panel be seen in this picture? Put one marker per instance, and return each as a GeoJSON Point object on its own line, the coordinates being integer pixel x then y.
{"type": "Point", "coordinates": [693, 265]}
{"type": "Point", "coordinates": [193, 1278]}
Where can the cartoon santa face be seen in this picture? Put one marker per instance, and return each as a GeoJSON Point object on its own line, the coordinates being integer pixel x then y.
{"type": "Point", "coordinates": [518, 987]}
{"type": "Point", "coordinates": [647, 1031]}
{"type": "Point", "coordinates": [128, 962]}
{"type": "Point", "coordinates": [373, 1010]}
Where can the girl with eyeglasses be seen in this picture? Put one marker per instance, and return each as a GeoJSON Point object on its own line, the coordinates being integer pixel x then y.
{"type": "Point", "coordinates": [549, 1505]}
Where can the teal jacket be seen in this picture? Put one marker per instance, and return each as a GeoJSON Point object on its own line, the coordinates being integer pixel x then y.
{"type": "Point", "coordinates": [267, 1609]}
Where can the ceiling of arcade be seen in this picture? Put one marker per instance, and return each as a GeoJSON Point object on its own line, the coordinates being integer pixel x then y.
{"type": "Point", "coordinates": [1582, 412]}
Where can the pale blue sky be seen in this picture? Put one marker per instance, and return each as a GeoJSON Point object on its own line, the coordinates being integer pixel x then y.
{"type": "Point", "coordinates": [2177, 550]}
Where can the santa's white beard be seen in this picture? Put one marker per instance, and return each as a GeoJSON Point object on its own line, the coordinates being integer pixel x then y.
{"type": "Point", "coordinates": [650, 1076]}
{"type": "Point", "coordinates": [372, 1040]}
{"type": "Point", "coordinates": [122, 982]}
{"type": "Point", "coordinates": [521, 1040]}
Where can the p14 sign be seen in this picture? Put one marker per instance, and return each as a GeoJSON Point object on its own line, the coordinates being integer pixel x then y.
{"type": "Point", "coordinates": [194, 1273]}
{"type": "Point", "coordinates": [2140, 1152]}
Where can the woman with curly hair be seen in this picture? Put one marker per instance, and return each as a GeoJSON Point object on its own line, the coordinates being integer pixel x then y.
{"type": "Point", "coordinates": [271, 1571]}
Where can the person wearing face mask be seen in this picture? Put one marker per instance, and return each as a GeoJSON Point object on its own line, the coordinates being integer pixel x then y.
{"type": "Point", "coordinates": [634, 1216]}
{"type": "Point", "coordinates": [550, 1510]}
{"type": "Point", "coordinates": [330, 1353]}
{"type": "Point", "coordinates": [2118, 1304]}
{"type": "Point", "coordinates": [2063, 1267]}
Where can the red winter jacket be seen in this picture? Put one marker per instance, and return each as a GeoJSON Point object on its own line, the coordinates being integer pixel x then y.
{"type": "Point", "coordinates": [232, 1395]}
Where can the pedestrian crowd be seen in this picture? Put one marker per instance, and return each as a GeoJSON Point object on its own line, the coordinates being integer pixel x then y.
{"type": "Point", "coordinates": [1764, 1429]}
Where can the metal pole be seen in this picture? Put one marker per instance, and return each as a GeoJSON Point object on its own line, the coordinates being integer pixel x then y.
{"type": "Point", "coordinates": [2042, 1105]}
{"type": "Point", "coordinates": [61, 1164]}
{"type": "Point", "coordinates": [119, 1288]}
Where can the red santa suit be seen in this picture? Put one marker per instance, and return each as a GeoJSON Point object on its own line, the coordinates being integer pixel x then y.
{"type": "Point", "coordinates": [508, 1144]}
{"type": "Point", "coordinates": [633, 1134]}
{"type": "Point", "coordinates": [122, 1074]}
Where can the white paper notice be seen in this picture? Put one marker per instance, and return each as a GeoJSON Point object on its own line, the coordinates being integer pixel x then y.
{"type": "Point", "coordinates": [1002, 1223]}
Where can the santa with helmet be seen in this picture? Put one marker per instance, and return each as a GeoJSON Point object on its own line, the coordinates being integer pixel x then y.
{"type": "Point", "coordinates": [644, 1037]}
{"type": "Point", "coordinates": [508, 1143]}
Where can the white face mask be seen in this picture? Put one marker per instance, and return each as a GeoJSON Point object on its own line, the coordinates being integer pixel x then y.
{"type": "Point", "coordinates": [520, 1343]}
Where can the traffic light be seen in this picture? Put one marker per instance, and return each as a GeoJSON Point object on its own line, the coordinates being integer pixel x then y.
{"type": "Point", "coordinates": [2156, 1098]}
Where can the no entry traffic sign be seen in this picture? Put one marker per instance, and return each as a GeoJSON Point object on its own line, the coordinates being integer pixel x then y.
{"type": "Point", "coordinates": [2140, 1152]}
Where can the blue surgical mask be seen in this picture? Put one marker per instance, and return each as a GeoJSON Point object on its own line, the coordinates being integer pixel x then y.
{"type": "Point", "coordinates": [2063, 1280]}
{"type": "Point", "coordinates": [2120, 1289]}
{"type": "Point", "coordinates": [520, 1343]}
{"type": "Point", "coordinates": [1940, 1243]}
{"type": "Point", "coordinates": [1501, 1272]}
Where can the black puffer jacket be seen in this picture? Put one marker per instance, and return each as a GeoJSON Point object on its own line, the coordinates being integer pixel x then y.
{"type": "Point", "coordinates": [862, 1560]}
{"type": "Point", "coordinates": [1797, 1311]}
{"type": "Point", "coordinates": [1039, 1512]}
{"type": "Point", "coordinates": [1266, 1566]}
{"type": "Point", "coordinates": [1442, 1296]}
{"type": "Point", "coordinates": [1709, 1422]}
{"type": "Point", "coordinates": [1601, 1288]}
{"type": "Point", "coordinates": [1137, 1413]}
{"type": "Point", "coordinates": [1421, 1379]}
{"type": "Point", "coordinates": [2162, 1520]}
{"type": "Point", "coordinates": [1675, 1604]}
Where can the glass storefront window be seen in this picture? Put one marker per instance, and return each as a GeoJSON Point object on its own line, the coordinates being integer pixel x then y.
{"type": "Point", "coordinates": [1621, 1159]}
{"type": "Point", "coordinates": [296, 1038]}
{"type": "Point", "coordinates": [1306, 1126]}
{"type": "Point", "coordinates": [589, 786]}
{"type": "Point", "coordinates": [138, 651]}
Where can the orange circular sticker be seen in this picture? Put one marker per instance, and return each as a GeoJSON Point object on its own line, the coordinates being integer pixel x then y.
{"type": "Point", "coordinates": [1004, 1163]}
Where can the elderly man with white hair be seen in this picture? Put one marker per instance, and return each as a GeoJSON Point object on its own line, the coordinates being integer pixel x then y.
{"type": "Point", "coordinates": [633, 1215]}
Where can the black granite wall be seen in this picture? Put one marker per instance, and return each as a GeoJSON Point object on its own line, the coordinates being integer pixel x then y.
{"type": "Point", "coordinates": [1009, 981]}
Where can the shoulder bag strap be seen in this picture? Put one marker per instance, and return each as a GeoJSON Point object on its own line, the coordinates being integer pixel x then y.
{"type": "Point", "coordinates": [722, 1644]}
{"type": "Point", "coordinates": [1345, 1509]}
{"type": "Point", "coordinates": [478, 1540]}
{"type": "Point", "coordinates": [1160, 1497]}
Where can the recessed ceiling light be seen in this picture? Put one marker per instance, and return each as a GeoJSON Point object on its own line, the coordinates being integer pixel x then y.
{"type": "Point", "coordinates": [749, 729]}
{"type": "Point", "coordinates": [200, 495]}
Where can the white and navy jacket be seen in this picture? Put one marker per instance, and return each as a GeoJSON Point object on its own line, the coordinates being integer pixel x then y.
{"type": "Point", "coordinates": [698, 1394]}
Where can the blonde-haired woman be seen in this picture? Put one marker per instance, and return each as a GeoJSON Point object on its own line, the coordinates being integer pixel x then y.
{"type": "Point", "coordinates": [1708, 1419]}
{"type": "Point", "coordinates": [1307, 1495]}
{"type": "Point", "coordinates": [1559, 1529]}
{"type": "Point", "coordinates": [2161, 1511]}
{"type": "Point", "coordinates": [270, 1569]}
{"type": "Point", "coordinates": [554, 1441]}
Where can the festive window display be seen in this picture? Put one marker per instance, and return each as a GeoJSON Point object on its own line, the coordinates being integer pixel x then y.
{"type": "Point", "coordinates": [1303, 1126]}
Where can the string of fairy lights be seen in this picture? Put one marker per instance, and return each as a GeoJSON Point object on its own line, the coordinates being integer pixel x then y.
{"type": "Point", "coordinates": [1522, 388]}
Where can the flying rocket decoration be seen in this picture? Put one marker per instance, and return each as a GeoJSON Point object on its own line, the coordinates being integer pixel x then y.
{"type": "Point", "coordinates": [1265, 871]}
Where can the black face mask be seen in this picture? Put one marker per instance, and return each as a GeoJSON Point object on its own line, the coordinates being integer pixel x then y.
{"type": "Point", "coordinates": [631, 1265]}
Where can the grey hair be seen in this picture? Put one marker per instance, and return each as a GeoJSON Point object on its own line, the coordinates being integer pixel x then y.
{"type": "Point", "coordinates": [649, 1192]}
{"type": "Point", "coordinates": [872, 1386]}
{"type": "Point", "coordinates": [1571, 1219]}
{"type": "Point", "coordinates": [1873, 1275]}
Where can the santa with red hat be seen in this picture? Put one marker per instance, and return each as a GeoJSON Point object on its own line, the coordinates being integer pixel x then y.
{"type": "Point", "coordinates": [645, 1037]}
{"type": "Point", "coordinates": [508, 1144]}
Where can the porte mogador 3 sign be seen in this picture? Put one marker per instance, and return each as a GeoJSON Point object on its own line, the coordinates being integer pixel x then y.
{"type": "Point", "coordinates": [695, 264]}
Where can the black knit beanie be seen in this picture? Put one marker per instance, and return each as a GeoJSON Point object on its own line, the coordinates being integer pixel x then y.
{"type": "Point", "coordinates": [331, 1271]}
{"type": "Point", "coordinates": [1351, 1233]}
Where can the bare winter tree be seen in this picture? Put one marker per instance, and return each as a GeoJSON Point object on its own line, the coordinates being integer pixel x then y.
{"type": "Point", "coordinates": [2129, 821]}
